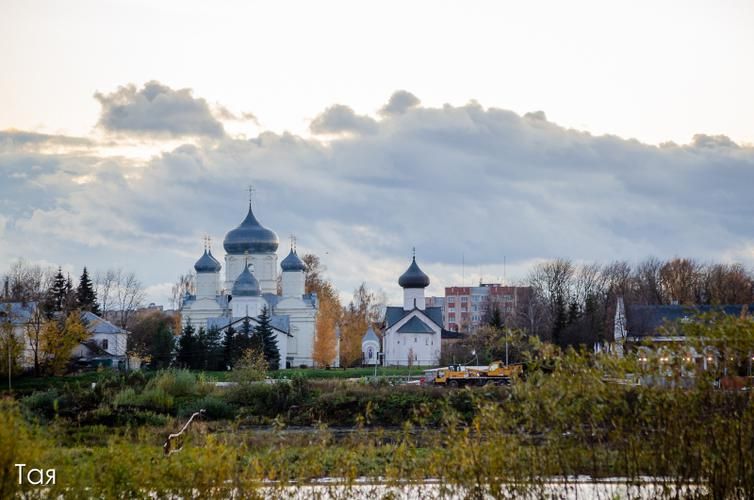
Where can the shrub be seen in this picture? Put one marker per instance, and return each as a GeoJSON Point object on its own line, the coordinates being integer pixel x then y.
{"type": "Point", "coordinates": [215, 408]}
{"type": "Point", "coordinates": [42, 403]}
{"type": "Point", "coordinates": [176, 383]}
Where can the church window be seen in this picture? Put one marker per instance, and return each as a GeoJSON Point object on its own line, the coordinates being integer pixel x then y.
{"type": "Point", "coordinates": [370, 353]}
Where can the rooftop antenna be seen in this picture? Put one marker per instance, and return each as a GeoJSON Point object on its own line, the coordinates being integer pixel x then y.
{"type": "Point", "coordinates": [413, 253]}
{"type": "Point", "coordinates": [251, 193]}
{"type": "Point", "coordinates": [463, 269]}
{"type": "Point", "coordinates": [294, 243]}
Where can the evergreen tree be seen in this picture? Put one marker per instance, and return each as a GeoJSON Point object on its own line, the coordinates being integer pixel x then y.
{"type": "Point", "coordinates": [265, 333]}
{"type": "Point", "coordinates": [213, 350]}
{"type": "Point", "coordinates": [560, 321]}
{"type": "Point", "coordinates": [187, 346]}
{"type": "Point", "coordinates": [496, 319]}
{"type": "Point", "coordinates": [229, 347]}
{"type": "Point", "coordinates": [56, 295]}
{"type": "Point", "coordinates": [162, 347]}
{"type": "Point", "coordinates": [86, 297]}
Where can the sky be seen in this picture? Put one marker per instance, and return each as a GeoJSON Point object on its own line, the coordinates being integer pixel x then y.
{"type": "Point", "coordinates": [477, 132]}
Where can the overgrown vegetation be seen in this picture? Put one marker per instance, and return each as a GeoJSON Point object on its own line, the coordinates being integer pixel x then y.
{"type": "Point", "coordinates": [575, 414]}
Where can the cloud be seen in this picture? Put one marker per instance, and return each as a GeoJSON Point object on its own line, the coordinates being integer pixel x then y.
{"type": "Point", "coordinates": [223, 113]}
{"type": "Point", "coordinates": [400, 102]}
{"type": "Point", "coordinates": [156, 109]}
{"type": "Point", "coordinates": [536, 115]}
{"type": "Point", "coordinates": [14, 140]}
{"type": "Point", "coordinates": [339, 119]}
{"type": "Point", "coordinates": [487, 184]}
{"type": "Point", "coordinates": [712, 141]}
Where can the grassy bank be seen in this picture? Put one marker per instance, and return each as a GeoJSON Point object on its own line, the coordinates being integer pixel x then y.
{"type": "Point", "coordinates": [570, 420]}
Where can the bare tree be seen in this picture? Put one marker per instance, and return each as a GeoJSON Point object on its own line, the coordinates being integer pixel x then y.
{"type": "Point", "coordinates": [120, 293]}
{"type": "Point", "coordinates": [129, 295]}
{"type": "Point", "coordinates": [26, 282]}
{"type": "Point", "coordinates": [34, 335]}
{"type": "Point", "coordinates": [681, 281]}
{"type": "Point", "coordinates": [726, 284]}
{"type": "Point", "coordinates": [648, 283]}
{"type": "Point", "coordinates": [186, 284]}
{"type": "Point", "coordinates": [106, 282]}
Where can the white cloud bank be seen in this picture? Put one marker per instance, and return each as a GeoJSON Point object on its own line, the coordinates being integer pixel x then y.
{"type": "Point", "coordinates": [452, 181]}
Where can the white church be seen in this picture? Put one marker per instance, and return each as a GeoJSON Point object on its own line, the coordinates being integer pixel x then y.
{"type": "Point", "coordinates": [412, 332]}
{"type": "Point", "coordinates": [251, 283]}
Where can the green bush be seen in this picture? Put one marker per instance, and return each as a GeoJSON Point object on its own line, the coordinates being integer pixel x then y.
{"type": "Point", "coordinates": [176, 383]}
{"type": "Point", "coordinates": [44, 403]}
{"type": "Point", "coordinates": [215, 408]}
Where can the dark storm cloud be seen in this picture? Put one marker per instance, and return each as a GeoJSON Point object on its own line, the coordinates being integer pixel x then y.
{"type": "Point", "coordinates": [400, 102]}
{"type": "Point", "coordinates": [340, 119]}
{"type": "Point", "coordinates": [156, 109]}
{"type": "Point", "coordinates": [485, 183]}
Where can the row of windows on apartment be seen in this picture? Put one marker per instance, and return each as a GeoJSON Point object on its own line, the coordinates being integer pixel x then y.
{"type": "Point", "coordinates": [477, 298]}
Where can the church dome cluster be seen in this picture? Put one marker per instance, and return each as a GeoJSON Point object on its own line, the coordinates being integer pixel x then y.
{"type": "Point", "coordinates": [207, 263]}
{"type": "Point", "coordinates": [250, 236]}
{"type": "Point", "coordinates": [246, 285]}
{"type": "Point", "coordinates": [414, 277]}
{"type": "Point", "coordinates": [293, 262]}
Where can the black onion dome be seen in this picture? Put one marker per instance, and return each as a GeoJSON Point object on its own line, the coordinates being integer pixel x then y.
{"type": "Point", "coordinates": [246, 285]}
{"type": "Point", "coordinates": [207, 264]}
{"type": "Point", "coordinates": [250, 236]}
{"type": "Point", "coordinates": [293, 262]}
{"type": "Point", "coordinates": [413, 277]}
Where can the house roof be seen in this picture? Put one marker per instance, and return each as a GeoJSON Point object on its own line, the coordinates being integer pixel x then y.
{"type": "Point", "coordinates": [370, 336]}
{"type": "Point", "coordinates": [19, 312]}
{"type": "Point", "coordinates": [279, 323]}
{"type": "Point", "coordinates": [415, 325]}
{"type": "Point", "coordinates": [645, 320]}
{"type": "Point", "coordinates": [394, 314]}
{"type": "Point", "coordinates": [95, 324]}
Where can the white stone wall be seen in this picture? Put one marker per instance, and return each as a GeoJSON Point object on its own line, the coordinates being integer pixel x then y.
{"type": "Point", "coordinates": [424, 347]}
{"type": "Point", "coordinates": [302, 320]}
{"type": "Point", "coordinates": [207, 285]}
{"type": "Point", "coordinates": [411, 295]}
{"type": "Point", "coordinates": [247, 306]}
{"type": "Point", "coordinates": [293, 283]}
{"type": "Point", "coordinates": [264, 270]}
{"type": "Point", "coordinates": [365, 347]}
{"type": "Point", "coordinates": [199, 311]}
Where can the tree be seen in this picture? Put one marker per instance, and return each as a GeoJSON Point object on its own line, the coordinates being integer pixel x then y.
{"type": "Point", "coordinates": [187, 346]}
{"type": "Point", "coordinates": [34, 328]}
{"type": "Point", "coordinates": [11, 348]}
{"type": "Point", "coordinates": [86, 297]}
{"type": "Point", "coordinates": [251, 367]}
{"type": "Point", "coordinates": [56, 295]}
{"type": "Point", "coordinates": [263, 330]}
{"type": "Point", "coordinates": [120, 293]}
{"type": "Point", "coordinates": [364, 309]}
{"type": "Point", "coordinates": [186, 283]}
{"type": "Point", "coordinates": [329, 313]}
{"type": "Point", "coordinates": [59, 340]}
{"type": "Point", "coordinates": [26, 283]}
{"type": "Point", "coordinates": [152, 339]}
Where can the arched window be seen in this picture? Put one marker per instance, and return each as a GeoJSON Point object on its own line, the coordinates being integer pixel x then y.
{"type": "Point", "coordinates": [370, 353]}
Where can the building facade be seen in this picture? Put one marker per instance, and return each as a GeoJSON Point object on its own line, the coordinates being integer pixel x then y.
{"type": "Point", "coordinates": [466, 308]}
{"type": "Point", "coordinates": [250, 284]}
{"type": "Point", "coordinates": [412, 332]}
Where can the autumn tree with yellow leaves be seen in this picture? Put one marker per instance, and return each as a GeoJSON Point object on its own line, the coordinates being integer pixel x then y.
{"type": "Point", "coordinates": [328, 316]}
{"type": "Point", "coordinates": [58, 340]}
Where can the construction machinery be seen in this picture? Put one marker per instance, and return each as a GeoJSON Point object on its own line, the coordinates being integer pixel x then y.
{"type": "Point", "coordinates": [457, 375]}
